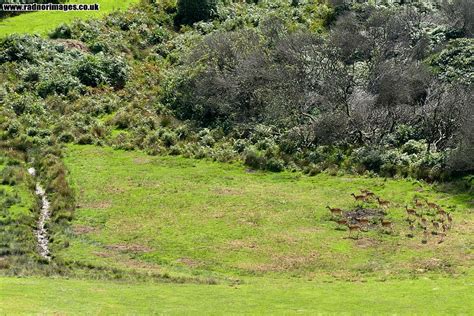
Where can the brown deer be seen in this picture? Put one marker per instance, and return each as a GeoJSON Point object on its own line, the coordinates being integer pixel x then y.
{"type": "Point", "coordinates": [412, 229]}
{"type": "Point", "coordinates": [368, 193]}
{"type": "Point", "coordinates": [418, 203]}
{"type": "Point", "coordinates": [383, 203]}
{"type": "Point", "coordinates": [431, 205]}
{"type": "Point", "coordinates": [359, 197]}
{"type": "Point", "coordinates": [441, 237]}
{"type": "Point", "coordinates": [450, 219]}
{"type": "Point", "coordinates": [426, 235]}
{"type": "Point", "coordinates": [386, 224]}
{"type": "Point", "coordinates": [440, 211]}
{"type": "Point", "coordinates": [435, 225]}
{"type": "Point", "coordinates": [341, 222]}
{"type": "Point", "coordinates": [424, 223]}
{"type": "Point", "coordinates": [445, 227]}
{"type": "Point", "coordinates": [334, 211]}
{"type": "Point", "coordinates": [364, 223]}
{"type": "Point", "coordinates": [353, 228]}
{"type": "Point", "coordinates": [410, 211]}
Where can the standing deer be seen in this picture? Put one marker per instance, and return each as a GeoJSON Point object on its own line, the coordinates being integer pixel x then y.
{"type": "Point", "coordinates": [334, 211]}
{"type": "Point", "coordinates": [410, 211]}
{"type": "Point", "coordinates": [431, 205]}
{"type": "Point", "coordinates": [425, 237]}
{"type": "Point", "coordinates": [383, 203]}
{"type": "Point", "coordinates": [359, 197]}
{"type": "Point", "coordinates": [386, 224]}
{"type": "Point", "coordinates": [353, 228]}
{"type": "Point", "coordinates": [418, 203]}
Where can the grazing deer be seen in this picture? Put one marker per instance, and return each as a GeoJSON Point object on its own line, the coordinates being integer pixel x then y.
{"type": "Point", "coordinates": [334, 211]}
{"type": "Point", "coordinates": [412, 229]}
{"type": "Point", "coordinates": [435, 225]}
{"type": "Point", "coordinates": [418, 203]}
{"type": "Point", "coordinates": [424, 223]}
{"type": "Point", "coordinates": [431, 205]}
{"type": "Point", "coordinates": [364, 223]}
{"type": "Point", "coordinates": [440, 211]}
{"type": "Point", "coordinates": [441, 237]}
{"type": "Point", "coordinates": [410, 211]}
{"type": "Point", "coordinates": [353, 228]}
{"type": "Point", "coordinates": [359, 197]}
{"type": "Point", "coordinates": [410, 220]}
{"type": "Point", "coordinates": [341, 223]}
{"type": "Point", "coordinates": [450, 219]}
{"type": "Point", "coordinates": [445, 227]}
{"type": "Point", "coordinates": [386, 224]}
{"type": "Point", "coordinates": [426, 235]}
{"type": "Point", "coordinates": [383, 203]}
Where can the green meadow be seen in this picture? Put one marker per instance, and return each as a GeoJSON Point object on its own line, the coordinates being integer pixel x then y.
{"type": "Point", "coordinates": [227, 239]}
{"type": "Point", "coordinates": [42, 22]}
{"type": "Point", "coordinates": [258, 296]}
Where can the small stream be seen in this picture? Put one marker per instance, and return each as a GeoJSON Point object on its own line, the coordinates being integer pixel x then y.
{"type": "Point", "coordinates": [45, 213]}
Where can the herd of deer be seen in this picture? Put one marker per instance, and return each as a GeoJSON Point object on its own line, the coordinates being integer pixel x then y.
{"type": "Point", "coordinates": [441, 222]}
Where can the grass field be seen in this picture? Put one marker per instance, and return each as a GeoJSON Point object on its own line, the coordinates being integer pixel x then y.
{"type": "Point", "coordinates": [68, 297]}
{"type": "Point", "coordinates": [43, 22]}
{"type": "Point", "coordinates": [265, 239]}
{"type": "Point", "coordinates": [211, 219]}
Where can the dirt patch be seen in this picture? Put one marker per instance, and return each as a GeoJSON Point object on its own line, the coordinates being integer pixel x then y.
{"type": "Point", "coordinates": [227, 191]}
{"type": "Point", "coordinates": [366, 243]}
{"type": "Point", "coordinates": [99, 205]}
{"type": "Point", "coordinates": [281, 263]}
{"type": "Point", "coordinates": [114, 190]}
{"type": "Point", "coordinates": [141, 161]}
{"type": "Point", "coordinates": [432, 264]}
{"type": "Point", "coordinates": [73, 44]}
{"type": "Point", "coordinates": [238, 244]}
{"type": "Point", "coordinates": [101, 254]}
{"type": "Point", "coordinates": [189, 262]}
{"type": "Point", "coordinates": [82, 229]}
{"type": "Point", "coordinates": [129, 248]}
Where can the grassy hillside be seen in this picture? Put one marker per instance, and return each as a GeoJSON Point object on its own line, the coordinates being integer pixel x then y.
{"type": "Point", "coordinates": [44, 22]}
{"type": "Point", "coordinates": [220, 220]}
{"type": "Point", "coordinates": [71, 297]}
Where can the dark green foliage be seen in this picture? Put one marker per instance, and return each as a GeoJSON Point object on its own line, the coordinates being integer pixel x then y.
{"type": "Point", "coordinates": [456, 61]}
{"type": "Point", "coordinates": [191, 11]}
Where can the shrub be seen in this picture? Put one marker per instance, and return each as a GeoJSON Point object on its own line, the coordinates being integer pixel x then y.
{"type": "Point", "coordinates": [169, 139]}
{"type": "Point", "coordinates": [413, 147]}
{"type": "Point", "coordinates": [62, 31]}
{"type": "Point", "coordinates": [253, 158]}
{"type": "Point", "coordinates": [274, 164]}
{"type": "Point", "coordinates": [191, 11]}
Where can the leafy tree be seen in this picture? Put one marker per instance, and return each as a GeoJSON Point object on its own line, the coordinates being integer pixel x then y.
{"type": "Point", "coordinates": [191, 11]}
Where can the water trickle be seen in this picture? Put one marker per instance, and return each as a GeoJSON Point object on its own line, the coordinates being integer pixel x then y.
{"type": "Point", "coordinates": [45, 213]}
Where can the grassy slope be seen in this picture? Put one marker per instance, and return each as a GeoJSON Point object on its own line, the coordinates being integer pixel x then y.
{"type": "Point", "coordinates": [206, 218]}
{"type": "Point", "coordinates": [59, 296]}
{"type": "Point", "coordinates": [191, 217]}
{"type": "Point", "coordinates": [43, 22]}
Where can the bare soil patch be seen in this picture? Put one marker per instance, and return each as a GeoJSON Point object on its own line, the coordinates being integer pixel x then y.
{"type": "Point", "coordinates": [129, 248]}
